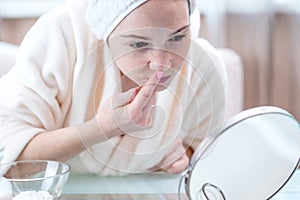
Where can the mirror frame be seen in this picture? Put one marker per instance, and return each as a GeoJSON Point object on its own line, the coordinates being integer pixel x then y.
{"type": "Point", "coordinates": [242, 116]}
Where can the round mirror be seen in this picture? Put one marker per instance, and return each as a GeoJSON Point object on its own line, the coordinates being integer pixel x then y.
{"type": "Point", "coordinates": [252, 158]}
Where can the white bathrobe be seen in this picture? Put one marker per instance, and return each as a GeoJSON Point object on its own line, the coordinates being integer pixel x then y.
{"type": "Point", "coordinates": [61, 67]}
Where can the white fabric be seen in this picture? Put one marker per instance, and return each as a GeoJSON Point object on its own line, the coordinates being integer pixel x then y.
{"type": "Point", "coordinates": [195, 23]}
{"type": "Point", "coordinates": [57, 75]}
{"type": "Point", "coordinates": [103, 16]}
{"type": "Point", "coordinates": [7, 56]}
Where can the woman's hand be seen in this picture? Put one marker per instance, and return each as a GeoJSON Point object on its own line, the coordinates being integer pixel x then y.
{"type": "Point", "coordinates": [130, 111]}
{"type": "Point", "coordinates": [176, 160]}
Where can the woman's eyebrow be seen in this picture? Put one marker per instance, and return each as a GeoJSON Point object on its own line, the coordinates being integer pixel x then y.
{"type": "Point", "coordinates": [136, 36]}
{"type": "Point", "coordinates": [146, 38]}
{"type": "Point", "coordinates": [180, 30]}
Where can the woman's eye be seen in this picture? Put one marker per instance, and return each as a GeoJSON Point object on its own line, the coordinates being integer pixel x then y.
{"type": "Point", "coordinates": [138, 45]}
{"type": "Point", "coordinates": [177, 38]}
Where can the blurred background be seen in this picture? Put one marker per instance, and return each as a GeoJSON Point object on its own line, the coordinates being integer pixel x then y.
{"type": "Point", "coordinates": [265, 34]}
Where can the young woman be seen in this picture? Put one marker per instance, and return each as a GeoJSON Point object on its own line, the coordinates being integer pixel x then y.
{"type": "Point", "coordinates": [112, 88]}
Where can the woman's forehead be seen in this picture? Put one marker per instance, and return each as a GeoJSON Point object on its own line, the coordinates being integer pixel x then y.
{"type": "Point", "coordinates": [168, 14]}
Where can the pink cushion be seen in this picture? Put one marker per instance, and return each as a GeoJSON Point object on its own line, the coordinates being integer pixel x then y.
{"type": "Point", "coordinates": [235, 81]}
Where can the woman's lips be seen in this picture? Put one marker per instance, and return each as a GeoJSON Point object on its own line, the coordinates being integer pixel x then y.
{"type": "Point", "coordinates": [162, 80]}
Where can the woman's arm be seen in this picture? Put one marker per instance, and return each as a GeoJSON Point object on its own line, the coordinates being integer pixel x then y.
{"type": "Point", "coordinates": [114, 119]}
{"type": "Point", "coordinates": [62, 144]}
{"type": "Point", "coordinates": [36, 92]}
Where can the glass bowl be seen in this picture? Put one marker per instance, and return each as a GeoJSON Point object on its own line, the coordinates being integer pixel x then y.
{"type": "Point", "coordinates": [33, 179]}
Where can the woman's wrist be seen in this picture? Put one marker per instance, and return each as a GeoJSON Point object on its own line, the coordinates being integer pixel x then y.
{"type": "Point", "coordinates": [92, 132]}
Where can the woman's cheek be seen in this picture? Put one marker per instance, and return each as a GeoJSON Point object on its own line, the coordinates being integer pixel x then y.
{"type": "Point", "coordinates": [131, 62]}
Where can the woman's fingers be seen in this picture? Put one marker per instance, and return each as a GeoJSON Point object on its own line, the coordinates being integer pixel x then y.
{"type": "Point", "coordinates": [176, 166]}
{"type": "Point", "coordinates": [174, 153]}
{"type": "Point", "coordinates": [176, 160]}
{"type": "Point", "coordinates": [130, 111]}
{"type": "Point", "coordinates": [132, 97]}
{"type": "Point", "coordinates": [146, 92]}
{"type": "Point", "coordinates": [123, 99]}
{"type": "Point", "coordinates": [147, 109]}
{"type": "Point", "coordinates": [139, 97]}
{"type": "Point", "coordinates": [179, 165]}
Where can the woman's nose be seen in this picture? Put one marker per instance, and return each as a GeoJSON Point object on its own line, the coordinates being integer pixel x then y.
{"type": "Point", "coordinates": [160, 60]}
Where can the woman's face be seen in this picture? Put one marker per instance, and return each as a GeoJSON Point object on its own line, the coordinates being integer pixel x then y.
{"type": "Point", "coordinates": [155, 36]}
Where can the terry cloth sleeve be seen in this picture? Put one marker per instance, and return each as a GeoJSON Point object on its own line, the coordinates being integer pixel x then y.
{"type": "Point", "coordinates": [204, 114]}
{"type": "Point", "coordinates": [35, 95]}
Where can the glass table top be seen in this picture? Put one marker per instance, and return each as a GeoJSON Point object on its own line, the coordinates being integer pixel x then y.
{"type": "Point", "coordinates": [146, 187]}
{"type": "Point", "coordinates": [121, 197]}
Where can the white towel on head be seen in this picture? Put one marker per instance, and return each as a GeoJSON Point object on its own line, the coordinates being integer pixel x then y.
{"type": "Point", "coordinates": [103, 16]}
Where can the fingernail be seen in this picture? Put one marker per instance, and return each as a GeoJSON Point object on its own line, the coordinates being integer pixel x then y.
{"type": "Point", "coordinates": [159, 74]}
